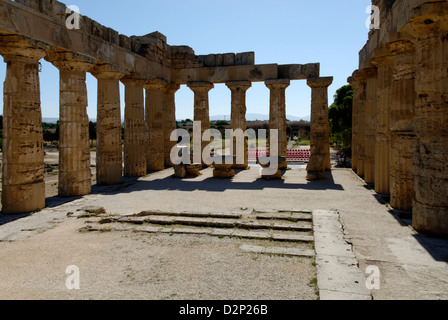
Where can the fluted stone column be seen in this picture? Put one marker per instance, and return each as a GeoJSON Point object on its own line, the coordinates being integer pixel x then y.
{"type": "Point", "coordinates": [370, 124]}
{"type": "Point", "coordinates": [359, 95]}
{"type": "Point", "coordinates": [23, 185]}
{"type": "Point", "coordinates": [134, 129]}
{"type": "Point", "coordinates": [320, 128]}
{"type": "Point", "coordinates": [75, 177]}
{"type": "Point", "coordinates": [277, 116]}
{"type": "Point", "coordinates": [402, 112]}
{"type": "Point", "coordinates": [384, 62]}
{"type": "Point", "coordinates": [155, 97]}
{"type": "Point", "coordinates": [430, 26]}
{"type": "Point", "coordinates": [238, 118]}
{"type": "Point", "coordinates": [201, 108]}
{"type": "Point", "coordinates": [170, 121]}
{"type": "Point", "coordinates": [109, 151]}
{"type": "Point", "coordinates": [352, 81]}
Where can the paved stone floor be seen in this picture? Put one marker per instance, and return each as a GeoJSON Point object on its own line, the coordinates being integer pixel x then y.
{"type": "Point", "coordinates": [360, 229]}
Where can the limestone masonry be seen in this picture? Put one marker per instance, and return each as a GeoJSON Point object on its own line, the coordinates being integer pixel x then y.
{"type": "Point", "coordinates": [400, 131]}
{"type": "Point", "coordinates": [400, 115]}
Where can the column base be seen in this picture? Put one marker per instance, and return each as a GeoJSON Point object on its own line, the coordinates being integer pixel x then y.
{"type": "Point", "coordinates": [110, 176]}
{"type": "Point", "coordinates": [433, 220]}
{"type": "Point", "coordinates": [75, 184]}
{"type": "Point", "coordinates": [23, 198]}
{"type": "Point", "coordinates": [268, 173]}
{"type": "Point", "coordinates": [316, 167]}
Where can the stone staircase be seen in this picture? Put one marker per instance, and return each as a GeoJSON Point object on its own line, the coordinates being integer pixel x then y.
{"type": "Point", "coordinates": [288, 233]}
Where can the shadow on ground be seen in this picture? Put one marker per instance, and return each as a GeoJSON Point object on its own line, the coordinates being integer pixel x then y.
{"type": "Point", "coordinates": [171, 183]}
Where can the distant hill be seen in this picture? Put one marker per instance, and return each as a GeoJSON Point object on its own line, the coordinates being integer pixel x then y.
{"type": "Point", "coordinates": [259, 116]}
{"type": "Point", "coordinates": [50, 120]}
{"type": "Point", "coordinates": [55, 120]}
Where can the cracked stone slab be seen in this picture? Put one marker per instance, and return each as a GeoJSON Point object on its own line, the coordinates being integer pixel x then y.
{"type": "Point", "coordinates": [338, 274]}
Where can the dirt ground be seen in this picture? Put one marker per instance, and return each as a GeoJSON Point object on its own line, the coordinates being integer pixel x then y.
{"type": "Point", "coordinates": [35, 251]}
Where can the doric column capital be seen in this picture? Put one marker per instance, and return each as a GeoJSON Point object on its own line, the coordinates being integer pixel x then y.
{"type": "Point", "coordinates": [172, 87]}
{"type": "Point", "coordinates": [135, 78]}
{"type": "Point", "coordinates": [155, 84]}
{"type": "Point", "coordinates": [277, 83]}
{"type": "Point", "coordinates": [381, 57]}
{"type": "Point", "coordinates": [400, 43]}
{"type": "Point", "coordinates": [71, 61]}
{"type": "Point", "coordinates": [320, 82]}
{"type": "Point", "coordinates": [200, 86]}
{"type": "Point", "coordinates": [352, 81]}
{"type": "Point", "coordinates": [15, 47]}
{"type": "Point", "coordinates": [362, 75]}
{"type": "Point", "coordinates": [428, 19]}
{"type": "Point", "coordinates": [239, 85]}
{"type": "Point", "coordinates": [109, 71]}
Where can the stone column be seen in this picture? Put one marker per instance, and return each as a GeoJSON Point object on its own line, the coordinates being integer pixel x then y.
{"type": "Point", "coordinates": [201, 108]}
{"type": "Point", "coordinates": [155, 156]}
{"type": "Point", "coordinates": [238, 118]}
{"type": "Point", "coordinates": [170, 121]}
{"type": "Point", "coordinates": [277, 116]}
{"type": "Point", "coordinates": [359, 96]}
{"type": "Point", "coordinates": [430, 26]}
{"type": "Point", "coordinates": [23, 185]}
{"type": "Point", "coordinates": [370, 125]}
{"type": "Point", "coordinates": [402, 122]}
{"type": "Point", "coordinates": [134, 129]}
{"type": "Point", "coordinates": [384, 62]}
{"type": "Point", "coordinates": [320, 128]}
{"type": "Point", "coordinates": [109, 152]}
{"type": "Point", "coordinates": [355, 113]}
{"type": "Point", "coordinates": [75, 177]}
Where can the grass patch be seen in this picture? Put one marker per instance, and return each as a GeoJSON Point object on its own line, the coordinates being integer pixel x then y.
{"type": "Point", "coordinates": [302, 142]}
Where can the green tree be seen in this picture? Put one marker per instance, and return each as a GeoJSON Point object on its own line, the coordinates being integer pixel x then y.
{"type": "Point", "coordinates": [92, 131]}
{"type": "Point", "coordinates": [340, 116]}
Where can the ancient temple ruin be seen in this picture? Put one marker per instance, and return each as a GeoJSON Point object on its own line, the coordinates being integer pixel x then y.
{"type": "Point", "coordinates": [400, 115]}
{"type": "Point", "coordinates": [400, 132]}
{"type": "Point", "coordinates": [31, 30]}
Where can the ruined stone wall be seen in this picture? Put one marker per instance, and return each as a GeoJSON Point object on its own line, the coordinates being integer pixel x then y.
{"type": "Point", "coordinates": [31, 30]}
{"type": "Point", "coordinates": [408, 54]}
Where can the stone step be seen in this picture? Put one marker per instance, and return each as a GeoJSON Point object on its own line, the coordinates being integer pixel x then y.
{"type": "Point", "coordinates": [190, 214]}
{"type": "Point", "coordinates": [291, 216]}
{"type": "Point", "coordinates": [295, 252]}
{"type": "Point", "coordinates": [217, 223]}
{"type": "Point", "coordinates": [215, 232]}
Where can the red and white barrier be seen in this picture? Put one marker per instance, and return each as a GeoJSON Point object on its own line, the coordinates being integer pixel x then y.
{"type": "Point", "coordinates": [292, 155]}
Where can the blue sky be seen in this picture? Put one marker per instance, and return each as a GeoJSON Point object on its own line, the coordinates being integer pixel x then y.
{"type": "Point", "coordinates": [284, 31]}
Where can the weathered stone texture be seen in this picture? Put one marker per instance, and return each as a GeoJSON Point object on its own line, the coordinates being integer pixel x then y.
{"type": "Point", "coordinates": [238, 121]}
{"type": "Point", "coordinates": [23, 185]}
{"type": "Point", "coordinates": [140, 62]}
{"type": "Point", "coordinates": [201, 114]}
{"type": "Point", "coordinates": [109, 159]}
{"type": "Point", "coordinates": [277, 117]}
{"type": "Point", "coordinates": [402, 111]}
{"type": "Point", "coordinates": [169, 113]}
{"type": "Point", "coordinates": [370, 125]}
{"type": "Point", "coordinates": [410, 51]}
{"type": "Point", "coordinates": [384, 63]}
{"type": "Point", "coordinates": [155, 97]}
{"type": "Point", "coordinates": [320, 128]}
{"type": "Point", "coordinates": [134, 129]}
{"type": "Point", "coordinates": [74, 145]}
